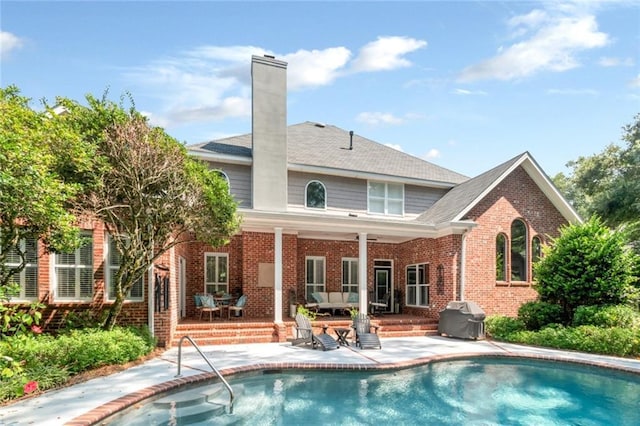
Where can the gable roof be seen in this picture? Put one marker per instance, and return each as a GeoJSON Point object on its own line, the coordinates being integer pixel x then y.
{"type": "Point", "coordinates": [456, 203]}
{"type": "Point", "coordinates": [319, 147]}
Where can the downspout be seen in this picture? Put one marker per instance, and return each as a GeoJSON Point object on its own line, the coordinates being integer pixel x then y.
{"type": "Point", "coordinates": [463, 262]}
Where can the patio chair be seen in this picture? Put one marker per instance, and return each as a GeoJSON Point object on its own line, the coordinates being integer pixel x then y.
{"type": "Point", "coordinates": [209, 305]}
{"type": "Point", "coordinates": [362, 329]}
{"type": "Point", "coordinates": [378, 307]}
{"type": "Point", "coordinates": [238, 308]}
{"type": "Point", "coordinates": [304, 334]}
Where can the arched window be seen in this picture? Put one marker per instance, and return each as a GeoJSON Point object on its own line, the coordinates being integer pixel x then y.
{"type": "Point", "coordinates": [315, 195]}
{"type": "Point", "coordinates": [519, 264]}
{"type": "Point", "coordinates": [536, 252]}
{"type": "Point", "coordinates": [224, 176]}
{"type": "Point", "coordinates": [501, 257]}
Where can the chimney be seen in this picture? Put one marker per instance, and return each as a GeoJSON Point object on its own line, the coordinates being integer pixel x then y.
{"type": "Point", "coordinates": [269, 133]}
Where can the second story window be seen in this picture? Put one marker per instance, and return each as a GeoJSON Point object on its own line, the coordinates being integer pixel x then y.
{"type": "Point", "coordinates": [315, 195]}
{"type": "Point", "coordinates": [386, 198]}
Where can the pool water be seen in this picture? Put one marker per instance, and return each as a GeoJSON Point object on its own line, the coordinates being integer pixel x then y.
{"type": "Point", "coordinates": [470, 392]}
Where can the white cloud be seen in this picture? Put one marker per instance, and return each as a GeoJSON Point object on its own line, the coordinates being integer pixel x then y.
{"type": "Point", "coordinates": [615, 62]}
{"type": "Point", "coordinates": [431, 154]}
{"type": "Point", "coordinates": [209, 83]}
{"type": "Point", "coordinates": [552, 45]}
{"type": "Point", "coordinates": [635, 82]}
{"type": "Point", "coordinates": [308, 68]}
{"type": "Point", "coordinates": [394, 146]}
{"type": "Point", "coordinates": [375, 118]}
{"type": "Point", "coordinates": [386, 53]}
{"type": "Point", "coordinates": [9, 43]}
{"type": "Point", "coordinates": [465, 92]}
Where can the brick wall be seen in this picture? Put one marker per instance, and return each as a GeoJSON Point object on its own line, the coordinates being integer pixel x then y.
{"type": "Point", "coordinates": [516, 197]}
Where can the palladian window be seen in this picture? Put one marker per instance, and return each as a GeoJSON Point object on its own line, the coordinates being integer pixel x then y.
{"type": "Point", "coordinates": [501, 257]}
{"type": "Point", "coordinates": [519, 263]}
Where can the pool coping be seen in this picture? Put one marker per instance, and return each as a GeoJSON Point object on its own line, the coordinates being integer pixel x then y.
{"type": "Point", "coordinates": [103, 412]}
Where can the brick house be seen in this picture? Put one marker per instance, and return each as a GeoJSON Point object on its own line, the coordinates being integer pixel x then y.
{"type": "Point", "coordinates": [324, 209]}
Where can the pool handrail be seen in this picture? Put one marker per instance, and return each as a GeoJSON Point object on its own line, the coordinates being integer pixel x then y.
{"type": "Point", "coordinates": [215, 370]}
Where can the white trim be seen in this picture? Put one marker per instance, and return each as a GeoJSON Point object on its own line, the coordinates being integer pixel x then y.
{"type": "Point", "coordinates": [223, 158]}
{"type": "Point", "coordinates": [362, 272]}
{"type": "Point", "coordinates": [293, 167]}
{"type": "Point", "coordinates": [278, 275]}
{"type": "Point", "coordinates": [540, 178]}
{"type": "Point", "coordinates": [263, 221]}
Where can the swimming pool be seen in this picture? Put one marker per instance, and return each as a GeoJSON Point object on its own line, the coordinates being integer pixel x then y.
{"type": "Point", "coordinates": [480, 391]}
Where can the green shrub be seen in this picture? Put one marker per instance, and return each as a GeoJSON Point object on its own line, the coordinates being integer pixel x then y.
{"type": "Point", "coordinates": [586, 338]}
{"type": "Point", "coordinates": [500, 327]}
{"type": "Point", "coordinates": [40, 362]}
{"type": "Point", "coordinates": [588, 264]}
{"type": "Point", "coordinates": [536, 315]}
{"type": "Point", "coordinates": [607, 316]}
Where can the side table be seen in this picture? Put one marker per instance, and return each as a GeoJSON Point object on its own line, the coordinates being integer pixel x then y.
{"type": "Point", "coordinates": [342, 334]}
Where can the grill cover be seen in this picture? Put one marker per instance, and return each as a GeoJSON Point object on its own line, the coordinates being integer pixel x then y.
{"type": "Point", "coordinates": [462, 319]}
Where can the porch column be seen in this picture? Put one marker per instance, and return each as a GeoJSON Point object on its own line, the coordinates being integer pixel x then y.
{"type": "Point", "coordinates": [362, 272]}
{"type": "Point", "coordinates": [278, 275]}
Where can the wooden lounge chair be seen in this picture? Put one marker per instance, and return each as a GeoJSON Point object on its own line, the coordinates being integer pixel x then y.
{"type": "Point", "coordinates": [364, 337]}
{"type": "Point", "coordinates": [304, 334]}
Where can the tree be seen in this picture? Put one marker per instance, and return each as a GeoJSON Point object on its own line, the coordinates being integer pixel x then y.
{"type": "Point", "coordinates": [608, 184]}
{"type": "Point", "coordinates": [40, 156]}
{"type": "Point", "coordinates": [588, 264]}
{"type": "Point", "coordinates": [148, 192]}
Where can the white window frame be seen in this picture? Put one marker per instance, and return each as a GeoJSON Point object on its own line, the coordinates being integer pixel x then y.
{"type": "Point", "coordinates": [351, 266]}
{"type": "Point", "coordinates": [386, 199]}
{"type": "Point", "coordinates": [319, 275]}
{"type": "Point", "coordinates": [110, 271]}
{"type": "Point", "coordinates": [415, 293]}
{"type": "Point", "coordinates": [78, 268]}
{"type": "Point", "coordinates": [212, 287]}
{"type": "Point", "coordinates": [30, 269]}
{"type": "Point", "coordinates": [324, 188]}
{"type": "Point", "coordinates": [225, 176]}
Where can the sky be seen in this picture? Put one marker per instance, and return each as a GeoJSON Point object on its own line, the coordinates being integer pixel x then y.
{"type": "Point", "coordinates": [466, 85]}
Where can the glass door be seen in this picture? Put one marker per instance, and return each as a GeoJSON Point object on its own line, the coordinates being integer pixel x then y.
{"type": "Point", "coordinates": [382, 287]}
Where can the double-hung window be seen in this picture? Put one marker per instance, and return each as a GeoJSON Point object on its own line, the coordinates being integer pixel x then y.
{"type": "Point", "coordinates": [315, 274]}
{"type": "Point", "coordinates": [74, 272]}
{"type": "Point", "coordinates": [386, 198]}
{"type": "Point", "coordinates": [216, 276]}
{"type": "Point", "coordinates": [27, 279]}
{"type": "Point", "coordinates": [418, 285]}
{"type": "Point", "coordinates": [349, 275]}
{"type": "Point", "coordinates": [113, 264]}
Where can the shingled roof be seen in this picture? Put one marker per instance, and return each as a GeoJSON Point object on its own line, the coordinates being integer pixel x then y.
{"type": "Point", "coordinates": [461, 198]}
{"type": "Point", "coordinates": [313, 144]}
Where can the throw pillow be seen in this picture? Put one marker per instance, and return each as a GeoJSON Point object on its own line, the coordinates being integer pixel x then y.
{"type": "Point", "coordinates": [352, 298]}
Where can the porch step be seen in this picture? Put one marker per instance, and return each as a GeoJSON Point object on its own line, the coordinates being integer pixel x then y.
{"type": "Point", "coordinates": [225, 333]}
{"type": "Point", "coordinates": [239, 332]}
